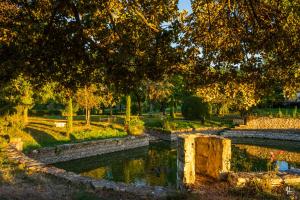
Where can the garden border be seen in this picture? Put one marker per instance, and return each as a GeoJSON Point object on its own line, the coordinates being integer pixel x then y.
{"type": "Point", "coordinates": [34, 166]}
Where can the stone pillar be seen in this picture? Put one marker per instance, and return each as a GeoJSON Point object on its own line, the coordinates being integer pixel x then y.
{"type": "Point", "coordinates": [185, 161]}
{"type": "Point", "coordinates": [200, 154]}
{"type": "Point", "coordinates": [212, 157]}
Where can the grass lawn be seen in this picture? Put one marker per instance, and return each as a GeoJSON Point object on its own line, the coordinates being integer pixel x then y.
{"type": "Point", "coordinates": [179, 123]}
{"type": "Point", "coordinates": [41, 132]}
{"type": "Point", "coordinates": [274, 112]}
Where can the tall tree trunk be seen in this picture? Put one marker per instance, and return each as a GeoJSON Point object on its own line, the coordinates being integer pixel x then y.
{"type": "Point", "coordinates": [69, 117]}
{"type": "Point", "coordinates": [139, 104]}
{"type": "Point", "coordinates": [86, 106]}
{"type": "Point", "coordinates": [163, 108]}
{"type": "Point", "coordinates": [172, 110]}
{"type": "Point", "coordinates": [88, 117]}
{"type": "Point", "coordinates": [128, 109]}
{"type": "Point", "coordinates": [25, 115]}
{"type": "Point", "coordinates": [110, 110]}
{"type": "Point", "coordinates": [150, 106]}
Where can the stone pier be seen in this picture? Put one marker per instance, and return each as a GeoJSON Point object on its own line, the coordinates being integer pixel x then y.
{"type": "Point", "coordinates": [205, 155]}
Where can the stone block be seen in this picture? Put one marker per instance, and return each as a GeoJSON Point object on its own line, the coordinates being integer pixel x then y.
{"type": "Point", "coordinates": [204, 155]}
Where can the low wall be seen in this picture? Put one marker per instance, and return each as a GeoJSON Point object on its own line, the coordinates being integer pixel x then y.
{"type": "Point", "coordinates": [173, 135]}
{"type": "Point", "coordinates": [274, 135]}
{"type": "Point", "coordinates": [269, 123]}
{"type": "Point", "coordinates": [33, 166]}
{"type": "Point", "coordinates": [263, 179]}
{"type": "Point", "coordinates": [162, 134]}
{"type": "Point", "coordinates": [67, 152]}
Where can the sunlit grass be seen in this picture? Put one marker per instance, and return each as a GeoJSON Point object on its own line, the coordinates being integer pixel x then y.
{"type": "Point", "coordinates": [41, 132]}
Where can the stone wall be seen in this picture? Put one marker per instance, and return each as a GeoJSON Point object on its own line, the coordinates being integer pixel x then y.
{"type": "Point", "coordinates": [263, 134]}
{"type": "Point", "coordinates": [200, 154]}
{"type": "Point", "coordinates": [269, 123]}
{"type": "Point", "coordinates": [162, 134]}
{"type": "Point", "coordinates": [263, 179]}
{"type": "Point", "coordinates": [33, 166]}
{"type": "Point", "coordinates": [173, 135]}
{"type": "Point", "coordinates": [67, 152]}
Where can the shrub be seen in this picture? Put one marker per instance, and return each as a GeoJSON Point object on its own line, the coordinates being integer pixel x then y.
{"type": "Point", "coordinates": [295, 112]}
{"type": "Point", "coordinates": [223, 109]}
{"type": "Point", "coordinates": [195, 108]}
{"type": "Point", "coordinates": [280, 113]}
{"type": "Point", "coordinates": [166, 124]}
{"type": "Point", "coordinates": [16, 121]}
{"type": "Point", "coordinates": [136, 127]}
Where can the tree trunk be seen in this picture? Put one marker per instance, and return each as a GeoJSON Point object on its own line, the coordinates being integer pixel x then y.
{"type": "Point", "coordinates": [110, 110]}
{"type": "Point", "coordinates": [25, 115]}
{"type": "Point", "coordinates": [150, 107]}
{"type": "Point", "coordinates": [88, 117]}
{"type": "Point", "coordinates": [69, 117]}
{"type": "Point", "coordinates": [163, 108]}
{"type": "Point", "coordinates": [128, 109]}
{"type": "Point", "coordinates": [139, 104]}
{"type": "Point", "coordinates": [86, 106]}
{"type": "Point", "coordinates": [172, 110]}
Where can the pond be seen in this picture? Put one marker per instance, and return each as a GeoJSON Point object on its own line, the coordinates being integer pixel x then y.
{"type": "Point", "coordinates": [157, 163]}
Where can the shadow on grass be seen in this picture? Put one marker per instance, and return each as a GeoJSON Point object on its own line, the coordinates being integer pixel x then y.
{"type": "Point", "coordinates": [47, 128]}
{"type": "Point", "coordinates": [41, 137]}
{"type": "Point", "coordinates": [42, 124]}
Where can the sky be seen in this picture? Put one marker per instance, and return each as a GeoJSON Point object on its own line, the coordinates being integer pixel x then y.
{"type": "Point", "coordinates": [185, 4]}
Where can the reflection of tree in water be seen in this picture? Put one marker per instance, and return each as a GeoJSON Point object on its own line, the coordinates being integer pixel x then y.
{"type": "Point", "coordinates": [242, 161]}
{"type": "Point", "coordinates": [133, 170]}
{"type": "Point", "coordinates": [99, 173]}
{"type": "Point", "coordinates": [255, 158]}
{"type": "Point", "coordinates": [161, 165]}
{"type": "Point", "coordinates": [154, 165]}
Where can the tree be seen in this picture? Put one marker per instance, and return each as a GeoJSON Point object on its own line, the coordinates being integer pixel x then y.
{"type": "Point", "coordinates": [159, 92]}
{"type": "Point", "coordinates": [243, 41]}
{"type": "Point", "coordinates": [240, 96]}
{"type": "Point", "coordinates": [88, 98]}
{"type": "Point", "coordinates": [19, 92]}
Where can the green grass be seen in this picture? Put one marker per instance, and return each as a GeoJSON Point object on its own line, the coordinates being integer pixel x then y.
{"type": "Point", "coordinates": [179, 123]}
{"type": "Point", "coordinates": [41, 132]}
{"type": "Point", "coordinates": [274, 112]}
{"type": "Point", "coordinates": [97, 134]}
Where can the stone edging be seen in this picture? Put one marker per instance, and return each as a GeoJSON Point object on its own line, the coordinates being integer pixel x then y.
{"type": "Point", "coordinates": [241, 179]}
{"type": "Point", "coordinates": [67, 152]}
{"type": "Point", "coordinates": [32, 165]}
{"type": "Point", "coordinates": [173, 135]}
{"type": "Point", "coordinates": [261, 134]}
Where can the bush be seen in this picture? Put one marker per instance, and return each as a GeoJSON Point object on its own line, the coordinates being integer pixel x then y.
{"type": "Point", "coordinates": [136, 127]}
{"type": "Point", "coordinates": [16, 121]}
{"type": "Point", "coordinates": [223, 109]}
{"type": "Point", "coordinates": [195, 108]}
{"type": "Point", "coordinates": [166, 124]}
{"type": "Point", "coordinates": [279, 113]}
{"type": "Point", "coordinates": [294, 114]}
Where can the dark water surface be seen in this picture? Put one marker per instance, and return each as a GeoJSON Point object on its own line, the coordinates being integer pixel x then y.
{"type": "Point", "coordinates": [157, 163]}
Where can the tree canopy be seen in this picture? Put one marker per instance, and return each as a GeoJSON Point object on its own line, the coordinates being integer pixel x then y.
{"type": "Point", "coordinates": [125, 43]}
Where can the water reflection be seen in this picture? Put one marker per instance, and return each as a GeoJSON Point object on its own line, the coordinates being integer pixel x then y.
{"type": "Point", "coordinates": [154, 165]}
{"type": "Point", "coordinates": [157, 163]}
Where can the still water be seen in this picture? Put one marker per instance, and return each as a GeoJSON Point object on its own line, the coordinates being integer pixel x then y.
{"type": "Point", "coordinates": [157, 163]}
